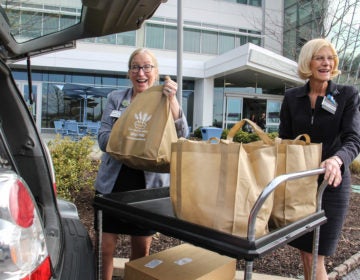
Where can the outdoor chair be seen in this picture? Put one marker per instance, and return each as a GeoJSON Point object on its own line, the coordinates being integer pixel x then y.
{"type": "Point", "coordinates": [59, 127]}
{"type": "Point", "coordinates": [93, 128]}
{"type": "Point", "coordinates": [73, 130]}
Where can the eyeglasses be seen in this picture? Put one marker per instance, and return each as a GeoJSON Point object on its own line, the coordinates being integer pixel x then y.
{"type": "Point", "coordinates": [322, 58]}
{"type": "Point", "coordinates": [146, 68]}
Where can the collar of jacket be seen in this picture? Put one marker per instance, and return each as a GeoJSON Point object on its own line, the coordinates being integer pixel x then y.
{"type": "Point", "coordinates": [331, 89]}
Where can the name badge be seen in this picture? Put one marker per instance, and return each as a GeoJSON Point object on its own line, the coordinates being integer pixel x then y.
{"type": "Point", "coordinates": [329, 104]}
{"type": "Point", "coordinates": [115, 114]}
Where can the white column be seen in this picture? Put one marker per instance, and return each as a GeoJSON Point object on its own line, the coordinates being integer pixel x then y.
{"type": "Point", "coordinates": [204, 102]}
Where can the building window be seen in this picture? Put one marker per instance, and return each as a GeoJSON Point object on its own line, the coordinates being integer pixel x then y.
{"type": "Point", "coordinates": [67, 21]}
{"type": "Point", "coordinates": [56, 104]}
{"type": "Point", "coordinates": [209, 42]}
{"type": "Point", "coordinates": [126, 38]}
{"type": "Point", "coordinates": [246, 2]}
{"type": "Point", "coordinates": [109, 39]}
{"type": "Point", "coordinates": [29, 21]}
{"type": "Point", "coordinates": [256, 3]}
{"type": "Point", "coordinates": [192, 40]}
{"type": "Point", "coordinates": [155, 36]}
{"type": "Point", "coordinates": [170, 38]}
{"type": "Point", "coordinates": [226, 42]}
{"type": "Point", "coordinates": [255, 40]}
{"type": "Point", "coordinates": [198, 38]}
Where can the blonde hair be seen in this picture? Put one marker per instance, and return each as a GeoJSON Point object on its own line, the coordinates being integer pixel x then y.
{"type": "Point", "coordinates": [153, 58]}
{"type": "Point", "coordinates": [306, 55]}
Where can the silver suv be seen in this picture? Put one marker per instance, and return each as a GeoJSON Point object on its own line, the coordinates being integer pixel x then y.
{"type": "Point", "coordinates": [41, 236]}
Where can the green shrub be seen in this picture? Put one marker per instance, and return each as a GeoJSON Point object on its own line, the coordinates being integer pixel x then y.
{"type": "Point", "coordinates": [197, 132]}
{"type": "Point", "coordinates": [74, 169]}
{"type": "Point", "coordinates": [240, 136]}
{"type": "Point", "coordinates": [224, 134]}
{"type": "Point", "coordinates": [245, 137]}
{"type": "Point", "coordinates": [355, 167]}
{"type": "Point", "coordinates": [273, 135]}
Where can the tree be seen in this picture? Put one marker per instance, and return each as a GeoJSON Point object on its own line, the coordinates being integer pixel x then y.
{"type": "Point", "coordinates": [334, 20]}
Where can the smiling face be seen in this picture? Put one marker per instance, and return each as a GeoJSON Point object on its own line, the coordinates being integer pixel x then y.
{"type": "Point", "coordinates": [322, 64]}
{"type": "Point", "coordinates": [141, 80]}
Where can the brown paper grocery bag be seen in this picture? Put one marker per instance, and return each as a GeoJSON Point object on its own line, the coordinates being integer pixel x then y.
{"type": "Point", "coordinates": [217, 184]}
{"type": "Point", "coordinates": [295, 199]}
{"type": "Point", "coordinates": [141, 138]}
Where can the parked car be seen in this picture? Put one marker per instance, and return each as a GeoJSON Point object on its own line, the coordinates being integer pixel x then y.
{"type": "Point", "coordinates": [41, 236]}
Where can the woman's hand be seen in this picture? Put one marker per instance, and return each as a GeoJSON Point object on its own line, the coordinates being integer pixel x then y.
{"type": "Point", "coordinates": [332, 167]}
{"type": "Point", "coordinates": [170, 89]}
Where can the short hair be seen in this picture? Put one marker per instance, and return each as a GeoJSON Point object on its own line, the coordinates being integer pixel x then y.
{"type": "Point", "coordinates": [148, 52]}
{"type": "Point", "coordinates": [306, 55]}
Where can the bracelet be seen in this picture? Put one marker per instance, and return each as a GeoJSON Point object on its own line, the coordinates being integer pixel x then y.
{"type": "Point", "coordinates": [338, 162]}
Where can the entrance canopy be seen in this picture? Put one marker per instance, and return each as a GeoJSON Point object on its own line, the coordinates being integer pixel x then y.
{"type": "Point", "coordinates": [252, 66]}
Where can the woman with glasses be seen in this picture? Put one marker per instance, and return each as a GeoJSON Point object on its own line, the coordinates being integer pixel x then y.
{"type": "Point", "coordinates": [113, 176]}
{"type": "Point", "coordinates": [329, 114]}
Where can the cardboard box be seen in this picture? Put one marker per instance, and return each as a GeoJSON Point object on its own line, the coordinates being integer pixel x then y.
{"type": "Point", "coordinates": [183, 262]}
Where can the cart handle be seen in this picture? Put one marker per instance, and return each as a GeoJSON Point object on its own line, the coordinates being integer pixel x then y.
{"type": "Point", "coordinates": [272, 186]}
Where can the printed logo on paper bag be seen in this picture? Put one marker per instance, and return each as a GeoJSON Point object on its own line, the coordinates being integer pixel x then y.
{"type": "Point", "coordinates": [139, 131]}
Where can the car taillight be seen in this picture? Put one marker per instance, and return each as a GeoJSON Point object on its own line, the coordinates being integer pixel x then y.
{"type": "Point", "coordinates": [42, 272]}
{"type": "Point", "coordinates": [22, 238]}
{"type": "Point", "coordinates": [21, 205]}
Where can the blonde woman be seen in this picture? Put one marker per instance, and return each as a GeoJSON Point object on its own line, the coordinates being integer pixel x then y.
{"type": "Point", "coordinates": [113, 176]}
{"type": "Point", "coordinates": [329, 113]}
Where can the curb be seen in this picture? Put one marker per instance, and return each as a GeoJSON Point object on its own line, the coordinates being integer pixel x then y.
{"type": "Point", "coordinates": [348, 266]}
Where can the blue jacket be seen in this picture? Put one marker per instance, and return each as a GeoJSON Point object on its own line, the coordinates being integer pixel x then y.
{"type": "Point", "coordinates": [109, 167]}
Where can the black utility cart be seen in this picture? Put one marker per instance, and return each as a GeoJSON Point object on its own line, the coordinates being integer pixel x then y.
{"type": "Point", "coordinates": [153, 208]}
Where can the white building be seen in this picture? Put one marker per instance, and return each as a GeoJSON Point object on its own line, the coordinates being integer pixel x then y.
{"type": "Point", "coordinates": [232, 64]}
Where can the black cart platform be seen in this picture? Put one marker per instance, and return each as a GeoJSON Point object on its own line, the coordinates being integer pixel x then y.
{"type": "Point", "coordinates": [153, 209]}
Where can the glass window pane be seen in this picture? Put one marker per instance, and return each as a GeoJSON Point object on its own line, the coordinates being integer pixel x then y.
{"type": "Point", "coordinates": [241, 40]}
{"type": "Point", "coordinates": [256, 41]}
{"type": "Point", "coordinates": [234, 107]}
{"type": "Point", "coordinates": [19, 75]}
{"type": "Point", "coordinates": [154, 36]}
{"type": "Point", "coordinates": [290, 17]}
{"type": "Point", "coordinates": [192, 40]}
{"type": "Point", "coordinates": [108, 81]}
{"type": "Point", "coordinates": [67, 21]}
{"type": "Point", "coordinates": [256, 3]}
{"type": "Point", "coordinates": [170, 38]}
{"type": "Point", "coordinates": [273, 111]}
{"type": "Point", "coordinates": [51, 23]}
{"type": "Point", "coordinates": [30, 26]}
{"type": "Point", "coordinates": [218, 107]}
{"type": "Point", "coordinates": [83, 79]}
{"type": "Point", "coordinates": [109, 39]}
{"type": "Point", "coordinates": [288, 3]}
{"type": "Point", "coordinates": [31, 20]}
{"type": "Point", "coordinates": [209, 42]}
{"type": "Point", "coordinates": [226, 42]}
{"type": "Point", "coordinates": [56, 77]}
{"type": "Point", "coordinates": [126, 38]}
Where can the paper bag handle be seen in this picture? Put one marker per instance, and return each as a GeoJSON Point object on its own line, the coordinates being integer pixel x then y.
{"type": "Point", "coordinates": [259, 132]}
{"type": "Point", "coordinates": [305, 136]}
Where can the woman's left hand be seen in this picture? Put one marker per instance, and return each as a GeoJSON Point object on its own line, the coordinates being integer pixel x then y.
{"type": "Point", "coordinates": [332, 171]}
{"type": "Point", "coordinates": [170, 88]}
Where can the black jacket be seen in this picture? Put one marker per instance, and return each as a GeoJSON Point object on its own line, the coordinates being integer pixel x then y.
{"type": "Point", "coordinates": [339, 133]}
